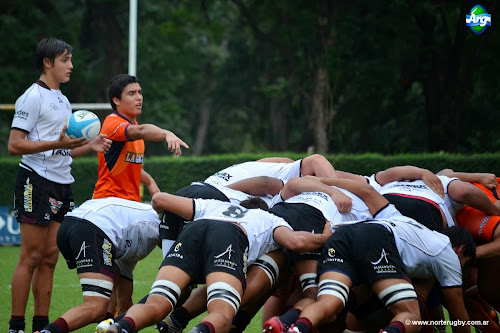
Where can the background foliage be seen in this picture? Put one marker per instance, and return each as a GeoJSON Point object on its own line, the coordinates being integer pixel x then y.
{"type": "Point", "coordinates": [384, 77]}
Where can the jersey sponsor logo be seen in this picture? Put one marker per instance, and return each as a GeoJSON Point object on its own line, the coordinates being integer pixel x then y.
{"type": "Point", "coordinates": [55, 205]}
{"type": "Point", "coordinates": [21, 115]}
{"type": "Point", "coordinates": [106, 253]}
{"type": "Point", "coordinates": [62, 152]}
{"type": "Point", "coordinates": [53, 106]}
{"type": "Point", "coordinates": [223, 175]}
{"type": "Point", "coordinates": [483, 224]}
{"type": "Point", "coordinates": [226, 263]}
{"type": "Point", "coordinates": [177, 247]}
{"type": "Point", "coordinates": [136, 158]}
{"type": "Point", "coordinates": [28, 196]}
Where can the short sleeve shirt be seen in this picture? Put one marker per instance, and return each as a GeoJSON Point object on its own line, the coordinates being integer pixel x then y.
{"type": "Point", "coordinates": [119, 170]}
{"type": "Point", "coordinates": [41, 113]}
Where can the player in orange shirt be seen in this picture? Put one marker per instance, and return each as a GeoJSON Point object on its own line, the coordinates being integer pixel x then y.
{"type": "Point", "coordinates": [120, 171]}
{"type": "Point", "coordinates": [484, 293]}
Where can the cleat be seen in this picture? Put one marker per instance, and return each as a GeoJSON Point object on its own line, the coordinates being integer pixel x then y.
{"type": "Point", "coordinates": [104, 325]}
{"type": "Point", "coordinates": [274, 325]}
{"type": "Point", "coordinates": [167, 325]}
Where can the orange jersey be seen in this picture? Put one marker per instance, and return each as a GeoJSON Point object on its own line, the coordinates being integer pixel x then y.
{"type": "Point", "coordinates": [480, 225]}
{"type": "Point", "coordinates": [119, 170]}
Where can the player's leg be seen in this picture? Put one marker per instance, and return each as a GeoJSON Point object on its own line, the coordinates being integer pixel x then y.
{"type": "Point", "coordinates": [32, 242]}
{"type": "Point", "coordinates": [224, 292]}
{"type": "Point", "coordinates": [161, 300]}
{"type": "Point", "coordinates": [96, 289]}
{"type": "Point", "coordinates": [332, 296]}
{"type": "Point", "coordinates": [44, 273]}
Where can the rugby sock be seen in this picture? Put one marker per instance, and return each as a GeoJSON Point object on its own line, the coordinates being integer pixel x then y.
{"type": "Point", "coordinates": [180, 317]}
{"type": "Point", "coordinates": [205, 327]}
{"type": "Point", "coordinates": [290, 317]}
{"type": "Point", "coordinates": [59, 326]}
{"type": "Point", "coordinates": [303, 325]}
{"type": "Point", "coordinates": [128, 324]}
{"type": "Point", "coordinates": [39, 322]}
{"type": "Point", "coordinates": [240, 322]}
{"type": "Point", "coordinates": [395, 327]}
{"type": "Point", "coordinates": [16, 323]}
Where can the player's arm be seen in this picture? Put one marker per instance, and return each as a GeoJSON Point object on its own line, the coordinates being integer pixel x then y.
{"type": "Point", "coordinates": [410, 172]}
{"type": "Point", "coordinates": [301, 241]}
{"type": "Point", "coordinates": [149, 182]}
{"type": "Point", "coordinates": [181, 206]}
{"type": "Point", "coordinates": [348, 175]}
{"type": "Point", "coordinates": [453, 300]}
{"type": "Point", "coordinates": [258, 185]}
{"type": "Point", "coordinates": [150, 132]}
{"type": "Point", "coordinates": [296, 186]}
{"type": "Point", "coordinates": [99, 144]}
{"type": "Point", "coordinates": [468, 194]}
{"type": "Point", "coordinates": [488, 180]}
{"type": "Point", "coordinates": [20, 145]}
{"type": "Point", "coordinates": [373, 200]}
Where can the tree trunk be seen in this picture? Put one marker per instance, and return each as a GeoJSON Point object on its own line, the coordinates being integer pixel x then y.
{"type": "Point", "coordinates": [319, 110]}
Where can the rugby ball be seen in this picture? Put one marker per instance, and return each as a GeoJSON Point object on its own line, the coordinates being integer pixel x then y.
{"type": "Point", "coordinates": [83, 123]}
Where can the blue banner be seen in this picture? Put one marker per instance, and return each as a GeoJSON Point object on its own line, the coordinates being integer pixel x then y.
{"type": "Point", "coordinates": [9, 228]}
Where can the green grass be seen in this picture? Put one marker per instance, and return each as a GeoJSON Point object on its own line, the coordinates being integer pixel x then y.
{"type": "Point", "coordinates": [67, 292]}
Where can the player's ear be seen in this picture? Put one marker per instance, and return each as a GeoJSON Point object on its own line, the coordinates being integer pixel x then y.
{"type": "Point", "coordinates": [47, 62]}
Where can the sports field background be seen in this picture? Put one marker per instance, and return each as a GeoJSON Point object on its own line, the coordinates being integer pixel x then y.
{"type": "Point", "coordinates": [67, 292]}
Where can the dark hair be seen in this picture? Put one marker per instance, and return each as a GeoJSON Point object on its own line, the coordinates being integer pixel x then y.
{"type": "Point", "coordinates": [254, 203]}
{"type": "Point", "coordinates": [50, 48]}
{"type": "Point", "coordinates": [460, 236]}
{"type": "Point", "coordinates": [116, 86]}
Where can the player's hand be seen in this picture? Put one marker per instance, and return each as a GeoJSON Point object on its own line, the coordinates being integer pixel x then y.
{"type": "Point", "coordinates": [101, 144]}
{"type": "Point", "coordinates": [342, 201]}
{"type": "Point", "coordinates": [327, 229]}
{"type": "Point", "coordinates": [69, 143]}
{"type": "Point", "coordinates": [434, 183]}
{"type": "Point", "coordinates": [488, 180]}
{"type": "Point", "coordinates": [174, 143]}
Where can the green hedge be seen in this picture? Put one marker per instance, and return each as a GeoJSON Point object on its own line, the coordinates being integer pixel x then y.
{"type": "Point", "coordinates": [172, 173]}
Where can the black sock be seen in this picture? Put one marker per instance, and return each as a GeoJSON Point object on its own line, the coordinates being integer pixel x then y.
{"type": "Point", "coordinates": [180, 317]}
{"type": "Point", "coordinates": [205, 327]}
{"type": "Point", "coordinates": [240, 322]}
{"type": "Point", "coordinates": [17, 323]}
{"type": "Point", "coordinates": [39, 322]}
{"type": "Point", "coordinates": [290, 317]}
{"type": "Point", "coordinates": [51, 328]}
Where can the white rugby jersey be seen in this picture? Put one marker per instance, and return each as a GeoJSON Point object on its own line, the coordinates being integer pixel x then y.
{"type": "Point", "coordinates": [237, 172]}
{"type": "Point", "coordinates": [132, 227]}
{"type": "Point", "coordinates": [42, 114]}
{"type": "Point", "coordinates": [425, 253]}
{"type": "Point", "coordinates": [324, 203]}
{"type": "Point", "coordinates": [258, 224]}
{"type": "Point", "coordinates": [417, 188]}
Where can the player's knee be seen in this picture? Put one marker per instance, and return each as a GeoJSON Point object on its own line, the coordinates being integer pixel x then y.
{"type": "Point", "coordinates": [224, 292]}
{"type": "Point", "coordinates": [168, 291]}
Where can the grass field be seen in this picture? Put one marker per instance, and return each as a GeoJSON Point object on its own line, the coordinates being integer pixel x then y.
{"type": "Point", "coordinates": [67, 292]}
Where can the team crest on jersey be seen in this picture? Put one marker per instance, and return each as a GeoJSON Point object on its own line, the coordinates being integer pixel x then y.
{"type": "Point", "coordinates": [178, 247]}
{"type": "Point", "coordinates": [174, 253]}
{"type": "Point", "coordinates": [55, 205]}
{"type": "Point", "coordinates": [136, 158]}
